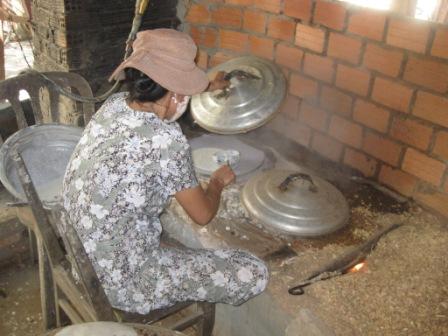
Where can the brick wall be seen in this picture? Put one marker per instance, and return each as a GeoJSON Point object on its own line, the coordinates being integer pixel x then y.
{"type": "Point", "coordinates": [366, 88]}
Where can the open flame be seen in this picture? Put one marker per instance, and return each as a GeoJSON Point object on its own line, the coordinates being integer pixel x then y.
{"type": "Point", "coordinates": [357, 267]}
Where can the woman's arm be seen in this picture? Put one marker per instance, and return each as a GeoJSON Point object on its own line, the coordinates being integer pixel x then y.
{"type": "Point", "coordinates": [201, 205]}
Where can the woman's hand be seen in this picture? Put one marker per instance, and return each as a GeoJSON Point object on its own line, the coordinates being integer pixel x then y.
{"type": "Point", "coordinates": [223, 176]}
{"type": "Point", "coordinates": [202, 205]}
{"type": "Point", "coordinates": [219, 83]}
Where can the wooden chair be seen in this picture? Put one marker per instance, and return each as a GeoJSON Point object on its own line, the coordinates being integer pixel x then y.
{"type": "Point", "coordinates": [46, 105]}
{"type": "Point", "coordinates": [85, 300]}
{"type": "Point", "coordinates": [46, 102]}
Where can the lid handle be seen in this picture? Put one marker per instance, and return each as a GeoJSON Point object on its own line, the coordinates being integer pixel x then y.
{"type": "Point", "coordinates": [295, 177]}
{"type": "Point", "coordinates": [240, 75]}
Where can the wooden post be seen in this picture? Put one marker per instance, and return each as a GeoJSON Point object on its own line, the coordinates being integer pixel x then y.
{"type": "Point", "coordinates": [2, 50]}
{"type": "Point", "coordinates": [47, 288]}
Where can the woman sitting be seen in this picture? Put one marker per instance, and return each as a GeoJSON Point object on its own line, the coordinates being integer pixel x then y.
{"type": "Point", "coordinates": [130, 161]}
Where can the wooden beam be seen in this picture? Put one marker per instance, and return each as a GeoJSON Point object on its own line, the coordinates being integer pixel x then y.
{"type": "Point", "coordinates": [2, 50]}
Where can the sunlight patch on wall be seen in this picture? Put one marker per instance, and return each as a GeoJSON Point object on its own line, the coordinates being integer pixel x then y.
{"type": "Point", "coordinates": [425, 9]}
{"type": "Point", "coordinates": [377, 4]}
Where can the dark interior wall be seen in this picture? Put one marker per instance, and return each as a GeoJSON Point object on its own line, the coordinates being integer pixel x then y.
{"type": "Point", "coordinates": [88, 36]}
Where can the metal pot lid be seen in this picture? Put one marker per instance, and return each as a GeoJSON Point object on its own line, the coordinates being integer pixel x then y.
{"type": "Point", "coordinates": [295, 203]}
{"type": "Point", "coordinates": [211, 151]}
{"type": "Point", "coordinates": [46, 150]}
{"type": "Point", "coordinates": [256, 91]}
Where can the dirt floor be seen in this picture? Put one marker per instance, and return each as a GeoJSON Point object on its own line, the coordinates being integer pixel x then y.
{"type": "Point", "coordinates": [19, 300]}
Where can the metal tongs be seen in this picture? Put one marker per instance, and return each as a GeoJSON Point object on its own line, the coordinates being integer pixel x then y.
{"type": "Point", "coordinates": [344, 263]}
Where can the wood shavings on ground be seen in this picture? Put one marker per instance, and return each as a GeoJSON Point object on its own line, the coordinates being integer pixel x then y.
{"type": "Point", "coordinates": [403, 290]}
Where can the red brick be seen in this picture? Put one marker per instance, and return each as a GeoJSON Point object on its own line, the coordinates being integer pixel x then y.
{"type": "Point", "coordinates": [345, 48]}
{"type": "Point", "coordinates": [254, 21]}
{"type": "Point", "coordinates": [313, 116]}
{"type": "Point", "coordinates": [196, 35]}
{"type": "Point", "coordinates": [198, 14]}
{"type": "Point", "coordinates": [383, 60]}
{"type": "Point", "coordinates": [330, 14]}
{"type": "Point", "coordinates": [202, 59]}
{"type": "Point", "coordinates": [240, 2]}
{"type": "Point", "coordinates": [303, 87]}
{"type": "Point", "coordinates": [435, 200]}
{"type": "Point", "coordinates": [353, 80]}
{"type": "Point", "coordinates": [397, 180]}
{"type": "Point", "coordinates": [346, 131]}
{"type": "Point", "coordinates": [219, 57]}
{"type": "Point", "coordinates": [319, 67]}
{"type": "Point", "coordinates": [430, 74]}
{"type": "Point", "coordinates": [334, 100]}
{"type": "Point", "coordinates": [408, 34]}
{"type": "Point", "coordinates": [411, 132]}
{"type": "Point", "coordinates": [289, 56]}
{"type": "Point", "coordinates": [423, 167]}
{"type": "Point", "coordinates": [273, 6]}
{"type": "Point", "coordinates": [300, 9]}
{"type": "Point", "coordinates": [310, 38]}
{"type": "Point", "coordinates": [381, 148]}
{"type": "Point", "coordinates": [392, 94]}
{"type": "Point", "coordinates": [209, 38]}
{"type": "Point", "coordinates": [441, 145]}
{"type": "Point", "coordinates": [261, 47]}
{"type": "Point", "coordinates": [431, 107]}
{"type": "Point", "coordinates": [371, 115]}
{"type": "Point", "coordinates": [440, 45]}
{"type": "Point", "coordinates": [290, 107]}
{"type": "Point", "coordinates": [361, 162]}
{"type": "Point", "coordinates": [327, 146]}
{"type": "Point", "coordinates": [286, 72]}
{"type": "Point", "coordinates": [232, 40]}
{"type": "Point", "coordinates": [281, 29]}
{"type": "Point", "coordinates": [230, 17]}
{"type": "Point", "coordinates": [367, 23]}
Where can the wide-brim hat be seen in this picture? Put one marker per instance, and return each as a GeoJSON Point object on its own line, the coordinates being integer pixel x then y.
{"type": "Point", "coordinates": [166, 56]}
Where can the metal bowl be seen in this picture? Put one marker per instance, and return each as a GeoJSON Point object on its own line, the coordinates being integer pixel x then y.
{"type": "Point", "coordinates": [46, 150]}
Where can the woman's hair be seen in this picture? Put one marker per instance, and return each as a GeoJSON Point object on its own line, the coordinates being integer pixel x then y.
{"type": "Point", "coordinates": [142, 88]}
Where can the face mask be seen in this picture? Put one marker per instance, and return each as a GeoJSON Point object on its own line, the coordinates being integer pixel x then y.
{"type": "Point", "coordinates": [181, 103]}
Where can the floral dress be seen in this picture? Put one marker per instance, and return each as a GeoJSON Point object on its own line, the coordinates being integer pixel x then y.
{"type": "Point", "coordinates": [126, 167]}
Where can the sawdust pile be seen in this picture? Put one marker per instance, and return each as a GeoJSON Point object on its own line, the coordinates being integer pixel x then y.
{"type": "Point", "coordinates": [404, 288]}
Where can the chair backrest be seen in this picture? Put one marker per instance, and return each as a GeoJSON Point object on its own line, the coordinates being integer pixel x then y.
{"type": "Point", "coordinates": [47, 104]}
{"type": "Point", "coordinates": [92, 304]}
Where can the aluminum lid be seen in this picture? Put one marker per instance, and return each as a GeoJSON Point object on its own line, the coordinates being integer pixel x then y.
{"type": "Point", "coordinates": [295, 203]}
{"type": "Point", "coordinates": [256, 91]}
{"type": "Point", "coordinates": [46, 150]}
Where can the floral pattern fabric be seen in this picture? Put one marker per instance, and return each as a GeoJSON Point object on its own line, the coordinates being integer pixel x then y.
{"type": "Point", "coordinates": [126, 167]}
